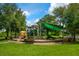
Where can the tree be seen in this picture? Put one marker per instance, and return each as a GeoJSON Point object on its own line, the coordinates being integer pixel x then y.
{"type": "Point", "coordinates": [71, 14]}
{"type": "Point", "coordinates": [20, 21]}
{"type": "Point", "coordinates": [48, 19]}
{"type": "Point", "coordinates": [8, 15]}
{"type": "Point", "coordinates": [11, 18]}
{"type": "Point", "coordinates": [59, 14]}
{"type": "Point", "coordinates": [58, 11]}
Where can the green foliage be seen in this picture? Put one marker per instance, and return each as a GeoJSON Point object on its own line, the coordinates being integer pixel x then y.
{"type": "Point", "coordinates": [58, 11]}
{"type": "Point", "coordinates": [71, 14]}
{"type": "Point", "coordinates": [12, 19]}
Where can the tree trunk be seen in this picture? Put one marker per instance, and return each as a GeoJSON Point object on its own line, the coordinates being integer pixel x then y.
{"type": "Point", "coordinates": [7, 34]}
{"type": "Point", "coordinates": [73, 37]}
{"type": "Point", "coordinates": [47, 33]}
{"type": "Point", "coordinates": [11, 37]}
{"type": "Point", "coordinates": [40, 30]}
{"type": "Point", "coordinates": [15, 34]}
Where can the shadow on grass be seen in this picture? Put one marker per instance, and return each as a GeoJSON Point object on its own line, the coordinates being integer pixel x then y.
{"type": "Point", "coordinates": [27, 42]}
{"type": "Point", "coordinates": [77, 42]}
{"type": "Point", "coordinates": [2, 39]}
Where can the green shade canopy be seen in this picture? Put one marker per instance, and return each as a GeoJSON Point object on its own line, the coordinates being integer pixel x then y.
{"type": "Point", "coordinates": [52, 27]}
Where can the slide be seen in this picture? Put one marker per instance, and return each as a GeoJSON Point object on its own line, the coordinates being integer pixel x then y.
{"type": "Point", "coordinates": [52, 27]}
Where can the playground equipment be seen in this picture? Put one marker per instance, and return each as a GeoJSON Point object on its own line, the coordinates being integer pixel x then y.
{"type": "Point", "coordinates": [52, 27]}
{"type": "Point", "coordinates": [57, 28]}
{"type": "Point", "coordinates": [22, 36]}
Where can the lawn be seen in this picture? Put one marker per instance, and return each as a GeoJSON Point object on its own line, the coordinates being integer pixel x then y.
{"type": "Point", "coordinates": [15, 49]}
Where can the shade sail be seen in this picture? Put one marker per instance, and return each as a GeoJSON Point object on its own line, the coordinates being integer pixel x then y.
{"type": "Point", "coordinates": [52, 27]}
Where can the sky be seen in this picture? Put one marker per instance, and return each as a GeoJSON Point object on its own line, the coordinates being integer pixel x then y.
{"type": "Point", "coordinates": [35, 11]}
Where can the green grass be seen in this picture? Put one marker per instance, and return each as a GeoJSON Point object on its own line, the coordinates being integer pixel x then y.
{"type": "Point", "coordinates": [13, 49]}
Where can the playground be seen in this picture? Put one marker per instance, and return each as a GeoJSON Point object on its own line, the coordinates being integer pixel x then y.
{"type": "Point", "coordinates": [30, 30]}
